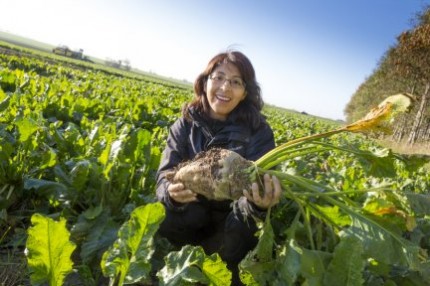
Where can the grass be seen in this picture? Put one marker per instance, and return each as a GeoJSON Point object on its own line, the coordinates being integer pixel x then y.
{"type": "Point", "coordinates": [25, 42]}
{"type": "Point", "coordinates": [13, 266]}
{"type": "Point", "coordinates": [405, 148]}
{"type": "Point", "coordinates": [13, 269]}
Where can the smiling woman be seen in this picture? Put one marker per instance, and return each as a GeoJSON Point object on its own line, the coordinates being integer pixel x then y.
{"type": "Point", "coordinates": [223, 97]}
{"type": "Point", "coordinates": [225, 114]}
{"type": "Point", "coordinates": [227, 83]}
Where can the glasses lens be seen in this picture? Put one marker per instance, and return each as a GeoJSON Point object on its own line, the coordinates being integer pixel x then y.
{"type": "Point", "coordinates": [236, 83]}
{"type": "Point", "coordinates": [221, 79]}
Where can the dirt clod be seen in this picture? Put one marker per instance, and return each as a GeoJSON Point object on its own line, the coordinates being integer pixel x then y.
{"type": "Point", "coordinates": [217, 174]}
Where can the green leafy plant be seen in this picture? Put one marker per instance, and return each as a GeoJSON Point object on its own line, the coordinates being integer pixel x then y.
{"type": "Point", "coordinates": [49, 251]}
{"type": "Point", "coordinates": [191, 265]}
{"type": "Point", "coordinates": [83, 143]}
{"type": "Point", "coordinates": [127, 261]}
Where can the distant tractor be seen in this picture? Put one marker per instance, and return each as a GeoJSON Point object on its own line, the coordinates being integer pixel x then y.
{"type": "Point", "coordinates": [65, 51]}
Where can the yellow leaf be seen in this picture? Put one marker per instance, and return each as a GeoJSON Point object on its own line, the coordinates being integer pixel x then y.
{"type": "Point", "coordinates": [381, 118]}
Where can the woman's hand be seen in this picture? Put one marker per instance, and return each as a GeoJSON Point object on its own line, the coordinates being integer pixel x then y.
{"type": "Point", "coordinates": [181, 195]}
{"type": "Point", "coordinates": [272, 193]}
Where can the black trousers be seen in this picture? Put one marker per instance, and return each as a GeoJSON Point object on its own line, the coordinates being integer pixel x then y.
{"type": "Point", "coordinates": [226, 232]}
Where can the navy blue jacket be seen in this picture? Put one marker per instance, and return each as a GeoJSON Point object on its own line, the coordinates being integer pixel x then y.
{"type": "Point", "coordinates": [189, 137]}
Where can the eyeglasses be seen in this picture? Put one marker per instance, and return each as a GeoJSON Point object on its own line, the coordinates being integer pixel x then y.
{"type": "Point", "coordinates": [220, 79]}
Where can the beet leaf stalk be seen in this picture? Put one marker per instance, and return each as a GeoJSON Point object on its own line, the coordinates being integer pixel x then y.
{"type": "Point", "coordinates": [311, 197]}
{"type": "Point", "coordinates": [379, 120]}
{"type": "Point", "coordinates": [220, 174]}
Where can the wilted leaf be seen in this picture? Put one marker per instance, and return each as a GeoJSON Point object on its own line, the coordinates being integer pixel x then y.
{"type": "Point", "coordinates": [381, 118]}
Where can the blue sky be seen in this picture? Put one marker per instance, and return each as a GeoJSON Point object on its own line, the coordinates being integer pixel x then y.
{"type": "Point", "coordinates": [309, 55]}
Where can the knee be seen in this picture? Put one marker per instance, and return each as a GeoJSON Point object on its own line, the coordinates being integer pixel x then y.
{"type": "Point", "coordinates": [183, 226]}
{"type": "Point", "coordinates": [239, 238]}
{"type": "Point", "coordinates": [194, 215]}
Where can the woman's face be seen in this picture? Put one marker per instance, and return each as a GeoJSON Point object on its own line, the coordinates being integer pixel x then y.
{"type": "Point", "coordinates": [225, 89]}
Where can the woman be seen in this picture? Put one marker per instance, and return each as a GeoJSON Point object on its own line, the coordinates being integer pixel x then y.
{"type": "Point", "coordinates": [225, 113]}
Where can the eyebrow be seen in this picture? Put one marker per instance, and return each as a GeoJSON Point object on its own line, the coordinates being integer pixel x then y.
{"type": "Point", "coordinates": [223, 73]}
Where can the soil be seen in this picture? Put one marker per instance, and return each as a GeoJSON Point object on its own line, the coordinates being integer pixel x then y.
{"type": "Point", "coordinates": [13, 268]}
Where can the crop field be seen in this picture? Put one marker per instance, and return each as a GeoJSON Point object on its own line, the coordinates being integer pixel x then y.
{"type": "Point", "coordinates": [79, 149]}
{"type": "Point", "coordinates": [21, 41]}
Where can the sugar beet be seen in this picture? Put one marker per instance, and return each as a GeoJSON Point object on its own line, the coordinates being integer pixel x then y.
{"type": "Point", "coordinates": [217, 174]}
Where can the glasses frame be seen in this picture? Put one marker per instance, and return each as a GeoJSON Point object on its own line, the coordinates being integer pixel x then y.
{"type": "Point", "coordinates": [215, 78]}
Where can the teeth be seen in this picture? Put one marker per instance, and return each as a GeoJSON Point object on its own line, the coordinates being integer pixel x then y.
{"type": "Point", "coordinates": [224, 98]}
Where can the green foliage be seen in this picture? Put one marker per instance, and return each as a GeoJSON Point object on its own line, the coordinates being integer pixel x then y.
{"type": "Point", "coordinates": [85, 144]}
{"type": "Point", "coordinates": [191, 265]}
{"type": "Point", "coordinates": [127, 261]}
{"type": "Point", "coordinates": [49, 251]}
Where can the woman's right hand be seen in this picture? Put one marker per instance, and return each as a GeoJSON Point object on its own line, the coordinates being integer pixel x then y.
{"type": "Point", "coordinates": [181, 195]}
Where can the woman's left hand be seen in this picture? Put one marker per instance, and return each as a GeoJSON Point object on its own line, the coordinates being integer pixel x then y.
{"type": "Point", "coordinates": [272, 193]}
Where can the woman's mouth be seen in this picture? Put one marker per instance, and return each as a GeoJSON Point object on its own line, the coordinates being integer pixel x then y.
{"type": "Point", "coordinates": [223, 98]}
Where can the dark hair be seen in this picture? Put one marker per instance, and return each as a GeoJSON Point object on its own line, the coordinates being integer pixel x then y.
{"type": "Point", "coordinates": [248, 110]}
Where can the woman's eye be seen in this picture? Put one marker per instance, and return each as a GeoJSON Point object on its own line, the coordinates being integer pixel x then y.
{"type": "Point", "coordinates": [237, 82]}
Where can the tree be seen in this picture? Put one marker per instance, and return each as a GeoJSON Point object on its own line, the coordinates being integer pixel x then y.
{"type": "Point", "coordinates": [405, 67]}
{"type": "Point", "coordinates": [412, 58]}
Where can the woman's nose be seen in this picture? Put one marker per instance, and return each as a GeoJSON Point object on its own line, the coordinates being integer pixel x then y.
{"type": "Point", "coordinates": [226, 84]}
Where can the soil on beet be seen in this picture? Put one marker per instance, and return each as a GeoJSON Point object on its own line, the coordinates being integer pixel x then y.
{"type": "Point", "coordinates": [217, 174]}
